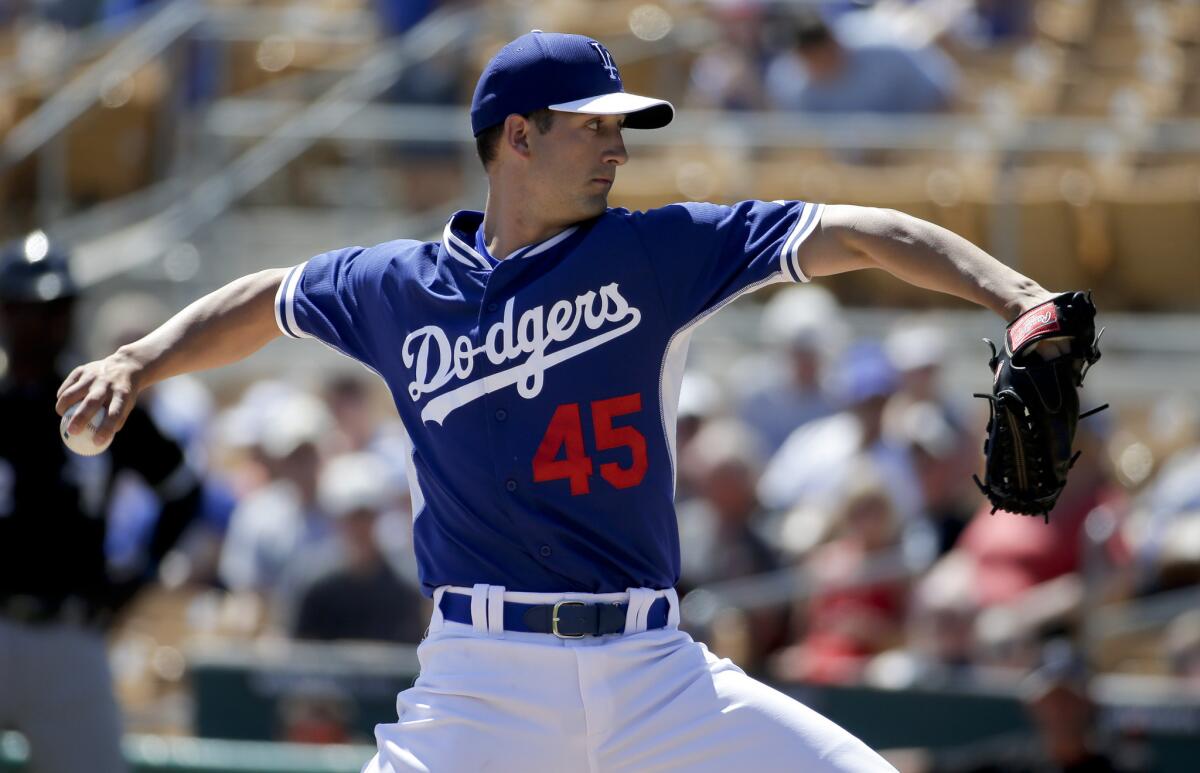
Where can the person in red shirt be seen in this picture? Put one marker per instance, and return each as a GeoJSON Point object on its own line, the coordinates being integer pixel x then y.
{"type": "Point", "coordinates": [852, 615]}
{"type": "Point", "coordinates": [1012, 554]}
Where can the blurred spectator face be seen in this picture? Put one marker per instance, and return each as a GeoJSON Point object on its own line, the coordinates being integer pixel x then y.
{"type": "Point", "coordinates": [871, 521]}
{"type": "Point", "coordinates": [349, 402]}
{"type": "Point", "coordinates": [943, 476]}
{"type": "Point", "coordinates": [741, 23]}
{"type": "Point", "coordinates": [921, 383]}
{"type": "Point", "coordinates": [35, 334]}
{"type": "Point", "coordinates": [823, 60]}
{"type": "Point", "coordinates": [944, 614]}
{"type": "Point", "coordinates": [729, 487]}
{"type": "Point", "coordinates": [952, 635]}
{"type": "Point", "coordinates": [870, 415]}
{"type": "Point", "coordinates": [917, 349]}
{"type": "Point", "coordinates": [299, 467]}
{"type": "Point", "coordinates": [294, 430]}
{"type": "Point", "coordinates": [358, 533]}
{"type": "Point", "coordinates": [355, 489]}
{"type": "Point", "coordinates": [806, 367]}
{"type": "Point", "coordinates": [725, 465]}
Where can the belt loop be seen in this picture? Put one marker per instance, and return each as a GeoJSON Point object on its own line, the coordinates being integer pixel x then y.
{"type": "Point", "coordinates": [648, 598]}
{"type": "Point", "coordinates": [639, 607]}
{"type": "Point", "coordinates": [495, 610]}
{"type": "Point", "coordinates": [672, 596]}
{"type": "Point", "coordinates": [438, 621]}
{"type": "Point", "coordinates": [479, 603]}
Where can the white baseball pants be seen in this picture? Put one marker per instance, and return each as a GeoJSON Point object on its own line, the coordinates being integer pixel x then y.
{"type": "Point", "coordinates": [642, 702]}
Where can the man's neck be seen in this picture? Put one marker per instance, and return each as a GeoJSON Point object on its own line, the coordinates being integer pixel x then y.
{"type": "Point", "coordinates": [509, 225]}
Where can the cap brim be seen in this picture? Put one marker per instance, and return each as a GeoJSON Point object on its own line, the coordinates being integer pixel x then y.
{"type": "Point", "coordinates": [641, 112]}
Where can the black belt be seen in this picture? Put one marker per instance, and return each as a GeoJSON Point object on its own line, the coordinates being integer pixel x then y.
{"type": "Point", "coordinates": [565, 619]}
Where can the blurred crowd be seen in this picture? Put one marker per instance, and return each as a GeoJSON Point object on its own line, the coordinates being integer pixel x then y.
{"type": "Point", "coordinates": [821, 56]}
{"type": "Point", "coordinates": [305, 522]}
{"type": "Point", "coordinates": [828, 58]}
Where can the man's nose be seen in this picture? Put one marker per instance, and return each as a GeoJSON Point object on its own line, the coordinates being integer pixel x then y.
{"type": "Point", "coordinates": [616, 153]}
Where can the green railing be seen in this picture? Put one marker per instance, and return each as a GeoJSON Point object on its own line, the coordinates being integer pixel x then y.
{"type": "Point", "coordinates": [156, 754]}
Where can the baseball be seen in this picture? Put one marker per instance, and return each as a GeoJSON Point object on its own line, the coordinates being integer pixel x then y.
{"type": "Point", "coordinates": [84, 442]}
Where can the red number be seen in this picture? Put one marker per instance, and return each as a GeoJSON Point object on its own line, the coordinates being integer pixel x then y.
{"type": "Point", "coordinates": [565, 432]}
{"type": "Point", "coordinates": [608, 436]}
{"type": "Point", "coordinates": [565, 435]}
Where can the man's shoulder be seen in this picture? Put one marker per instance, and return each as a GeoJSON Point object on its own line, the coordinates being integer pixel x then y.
{"type": "Point", "coordinates": [675, 213]}
{"type": "Point", "coordinates": [396, 258]}
{"type": "Point", "coordinates": [400, 251]}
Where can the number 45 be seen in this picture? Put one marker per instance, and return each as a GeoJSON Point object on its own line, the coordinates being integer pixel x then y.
{"type": "Point", "coordinates": [565, 434]}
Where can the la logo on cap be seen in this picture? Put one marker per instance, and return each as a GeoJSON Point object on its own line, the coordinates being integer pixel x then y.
{"type": "Point", "coordinates": [607, 60]}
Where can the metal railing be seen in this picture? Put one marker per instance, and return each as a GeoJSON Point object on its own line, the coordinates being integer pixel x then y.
{"type": "Point", "coordinates": [236, 118]}
{"type": "Point", "coordinates": [167, 25]}
{"type": "Point", "coordinates": [116, 251]}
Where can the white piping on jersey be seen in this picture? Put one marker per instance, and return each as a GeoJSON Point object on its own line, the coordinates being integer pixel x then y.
{"type": "Point", "coordinates": [416, 495]}
{"type": "Point", "coordinates": [285, 296]}
{"type": "Point", "coordinates": [670, 384]}
{"type": "Point", "coordinates": [535, 249]}
{"type": "Point", "coordinates": [674, 359]}
{"type": "Point", "coordinates": [806, 221]}
{"type": "Point", "coordinates": [468, 255]}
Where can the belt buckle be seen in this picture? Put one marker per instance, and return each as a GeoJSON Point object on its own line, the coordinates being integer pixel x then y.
{"type": "Point", "coordinates": [554, 620]}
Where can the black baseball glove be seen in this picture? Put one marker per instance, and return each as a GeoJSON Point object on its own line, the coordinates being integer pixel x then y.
{"type": "Point", "coordinates": [1035, 406]}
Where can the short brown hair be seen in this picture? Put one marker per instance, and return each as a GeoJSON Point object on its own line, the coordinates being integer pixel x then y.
{"type": "Point", "coordinates": [488, 139]}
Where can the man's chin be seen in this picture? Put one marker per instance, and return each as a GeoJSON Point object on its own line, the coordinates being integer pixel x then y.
{"type": "Point", "coordinates": [594, 205]}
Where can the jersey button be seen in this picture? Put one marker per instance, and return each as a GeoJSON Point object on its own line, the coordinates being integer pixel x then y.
{"type": "Point", "coordinates": [545, 551]}
{"type": "Point", "coordinates": [510, 484]}
{"type": "Point", "coordinates": [501, 414]}
{"type": "Point", "coordinates": [492, 307]}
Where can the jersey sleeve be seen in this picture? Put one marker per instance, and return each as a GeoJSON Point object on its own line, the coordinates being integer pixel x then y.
{"type": "Point", "coordinates": [705, 255]}
{"type": "Point", "coordinates": [333, 297]}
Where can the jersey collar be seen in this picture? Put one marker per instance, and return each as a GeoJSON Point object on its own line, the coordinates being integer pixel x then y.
{"type": "Point", "coordinates": [458, 238]}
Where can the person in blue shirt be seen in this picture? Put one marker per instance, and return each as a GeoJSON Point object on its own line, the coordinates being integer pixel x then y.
{"type": "Point", "coordinates": [821, 74]}
{"type": "Point", "coordinates": [535, 354]}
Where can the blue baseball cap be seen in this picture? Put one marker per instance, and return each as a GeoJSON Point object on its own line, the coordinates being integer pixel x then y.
{"type": "Point", "coordinates": [865, 372]}
{"type": "Point", "coordinates": [567, 73]}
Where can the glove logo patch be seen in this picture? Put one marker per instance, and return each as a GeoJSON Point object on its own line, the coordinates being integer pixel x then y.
{"type": "Point", "coordinates": [1033, 324]}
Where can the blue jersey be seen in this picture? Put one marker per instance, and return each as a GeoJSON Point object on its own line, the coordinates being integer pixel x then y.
{"type": "Point", "coordinates": [539, 392]}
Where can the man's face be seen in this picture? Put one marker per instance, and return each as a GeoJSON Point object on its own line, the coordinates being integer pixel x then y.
{"type": "Point", "coordinates": [575, 164]}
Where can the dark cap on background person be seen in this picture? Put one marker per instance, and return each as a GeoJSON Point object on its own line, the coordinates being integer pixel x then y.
{"type": "Point", "coordinates": [561, 72]}
{"type": "Point", "coordinates": [34, 269]}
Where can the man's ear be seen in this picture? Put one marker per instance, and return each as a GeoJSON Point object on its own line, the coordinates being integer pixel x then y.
{"type": "Point", "coordinates": [516, 134]}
